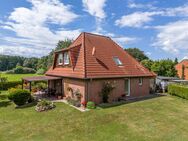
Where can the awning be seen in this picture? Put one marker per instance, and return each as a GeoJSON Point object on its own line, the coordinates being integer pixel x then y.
{"type": "Point", "coordinates": [40, 78]}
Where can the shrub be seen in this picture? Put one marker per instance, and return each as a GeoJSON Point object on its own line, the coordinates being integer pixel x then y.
{"type": "Point", "coordinates": [90, 105]}
{"type": "Point", "coordinates": [22, 70]}
{"type": "Point", "coordinates": [44, 105]}
{"type": "Point", "coordinates": [178, 90]}
{"type": "Point", "coordinates": [40, 71]}
{"type": "Point", "coordinates": [40, 85]}
{"type": "Point", "coordinates": [106, 90]}
{"type": "Point", "coordinates": [18, 70]}
{"type": "Point", "coordinates": [9, 72]}
{"type": "Point", "coordinates": [19, 96]}
{"type": "Point", "coordinates": [9, 84]}
{"type": "Point", "coordinates": [74, 102]}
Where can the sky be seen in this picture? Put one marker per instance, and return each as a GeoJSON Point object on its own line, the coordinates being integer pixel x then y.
{"type": "Point", "coordinates": [32, 28]}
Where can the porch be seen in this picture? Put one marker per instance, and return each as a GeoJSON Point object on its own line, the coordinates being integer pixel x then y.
{"type": "Point", "coordinates": [54, 86]}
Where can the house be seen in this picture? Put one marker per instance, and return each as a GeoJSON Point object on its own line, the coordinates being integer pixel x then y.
{"type": "Point", "coordinates": [182, 69]}
{"type": "Point", "coordinates": [92, 60]}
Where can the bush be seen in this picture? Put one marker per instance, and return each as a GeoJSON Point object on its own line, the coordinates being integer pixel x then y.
{"type": "Point", "coordinates": [19, 96]}
{"type": "Point", "coordinates": [23, 70]}
{"type": "Point", "coordinates": [90, 105]}
{"type": "Point", "coordinates": [40, 86]}
{"type": "Point", "coordinates": [178, 90]}
{"type": "Point", "coordinates": [9, 84]}
{"type": "Point", "coordinates": [106, 90]}
{"type": "Point", "coordinates": [44, 105]}
{"type": "Point", "coordinates": [9, 72]}
{"type": "Point", "coordinates": [40, 71]}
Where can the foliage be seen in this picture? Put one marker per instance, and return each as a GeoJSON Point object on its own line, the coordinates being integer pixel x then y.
{"type": "Point", "coordinates": [23, 70]}
{"type": "Point", "coordinates": [90, 105]}
{"type": "Point", "coordinates": [176, 61]}
{"type": "Point", "coordinates": [10, 62]}
{"type": "Point", "coordinates": [40, 85]}
{"type": "Point", "coordinates": [30, 63]}
{"type": "Point", "coordinates": [178, 90]}
{"type": "Point", "coordinates": [44, 105]}
{"type": "Point", "coordinates": [9, 84]}
{"type": "Point", "coordinates": [19, 96]}
{"type": "Point", "coordinates": [106, 90]}
{"type": "Point", "coordinates": [147, 63]}
{"type": "Point", "coordinates": [41, 71]}
{"type": "Point", "coordinates": [164, 68]}
{"type": "Point", "coordinates": [74, 102]}
{"type": "Point", "coordinates": [137, 53]}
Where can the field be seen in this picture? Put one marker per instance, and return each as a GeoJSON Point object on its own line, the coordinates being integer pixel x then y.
{"type": "Point", "coordinates": [163, 118]}
{"type": "Point", "coordinates": [16, 77]}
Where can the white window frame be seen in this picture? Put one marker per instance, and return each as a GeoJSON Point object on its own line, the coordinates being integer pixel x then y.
{"type": "Point", "coordinates": [140, 81]}
{"type": "Point", "coordinates": [117, 61]}
{"type": "Point", "coordinates": [66, 58]}
{"type": "Point", "coordinates": [60, 62]}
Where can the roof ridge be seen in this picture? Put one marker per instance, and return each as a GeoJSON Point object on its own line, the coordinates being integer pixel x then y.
{"type": "Point", "coordinates": [96, 34]}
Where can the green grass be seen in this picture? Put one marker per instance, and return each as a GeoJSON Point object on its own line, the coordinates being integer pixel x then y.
{"type": "Point", "coordinates": [16, 77]}
{"type": "Point", "coordinates": [158, 119]}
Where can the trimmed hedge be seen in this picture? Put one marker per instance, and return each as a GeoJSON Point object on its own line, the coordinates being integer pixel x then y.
{"type": "Point", "coordinates": [9, 84]}
{"type": "Point", "coordinates": [178, 90]}
{"type": "Point", "coordinates": [19, 96]}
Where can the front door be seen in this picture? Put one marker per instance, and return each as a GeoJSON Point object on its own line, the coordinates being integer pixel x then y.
{"type": "Point", "coordinates": [127, 87]}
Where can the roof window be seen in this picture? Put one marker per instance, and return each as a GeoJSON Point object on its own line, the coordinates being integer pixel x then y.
{"type": "Point", "coordinates": [117, 61]}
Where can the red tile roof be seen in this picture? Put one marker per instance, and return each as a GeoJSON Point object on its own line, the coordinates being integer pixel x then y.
{"type": "Point", "coordinates": [92, 57]}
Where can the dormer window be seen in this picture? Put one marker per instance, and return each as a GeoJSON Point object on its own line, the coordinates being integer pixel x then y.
{"type": "Point", "coordinates": [117, 61]}
{"type": "Point", "coordinates": [66, 58]}
{"type": "Point", "coordinates": [60, 59]}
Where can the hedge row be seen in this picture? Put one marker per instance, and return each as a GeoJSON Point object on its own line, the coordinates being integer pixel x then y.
{"type": "Point", "coordinates": [9, 84]}
{"type": "Point", "coordinates": [178, 90]}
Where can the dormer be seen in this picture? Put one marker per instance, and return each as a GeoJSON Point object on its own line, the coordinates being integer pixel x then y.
{"type": "Point", "coordinates": [62, 59]}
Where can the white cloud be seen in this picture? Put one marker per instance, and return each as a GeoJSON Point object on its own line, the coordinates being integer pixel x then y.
{"type": "Point", "coordinates": [136, 19]}
{"type": "Point", "coordinates": [139, 19]}
{"type": "Point", "coordinates": [122, 40]}
{"type": "Point", "coordinates": [173, 37]}
{"type": "Point", "coordinates": [132, 4]}
{"type": "Point", "coordinates": [95, 8]}
{"type": "Point", "coordinates": [32, 27]}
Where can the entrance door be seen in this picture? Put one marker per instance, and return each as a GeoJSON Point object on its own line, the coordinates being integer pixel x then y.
{"type": "Point", "coordinates": [127, 87]}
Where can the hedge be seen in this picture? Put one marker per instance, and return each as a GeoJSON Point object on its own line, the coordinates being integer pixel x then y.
{"type": "Point", "coordinates": [9, 84]}
{"type": "Point", "coordinates": [178, 90]}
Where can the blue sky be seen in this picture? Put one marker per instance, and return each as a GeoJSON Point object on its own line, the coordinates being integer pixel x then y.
{"type": "Point", "coordinates": [32, 28]}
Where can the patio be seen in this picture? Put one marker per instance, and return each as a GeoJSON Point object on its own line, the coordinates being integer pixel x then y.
{"type": "Point", "coordinates": [52, 91]}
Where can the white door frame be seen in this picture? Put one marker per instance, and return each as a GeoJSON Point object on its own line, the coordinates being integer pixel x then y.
{"type": "Point", "coordinates": [129, 87]}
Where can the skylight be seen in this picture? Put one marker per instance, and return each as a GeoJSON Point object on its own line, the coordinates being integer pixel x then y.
{"type": "Point", "coordinates": [117, 61]}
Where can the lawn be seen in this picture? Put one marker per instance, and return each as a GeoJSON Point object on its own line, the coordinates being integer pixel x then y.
{"type": "Point", "coordinates": [162, 118]}
{"type": "Point", "coordinates": [16, 77]}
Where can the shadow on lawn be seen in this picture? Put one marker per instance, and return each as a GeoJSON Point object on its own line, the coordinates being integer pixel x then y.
{"type": "Point", "coordinates": [119, 103]}
{"type": "Point", "coordinates": [4, 103]}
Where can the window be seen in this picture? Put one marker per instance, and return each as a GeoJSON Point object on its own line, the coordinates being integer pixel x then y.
{"type": "Point", "coordinates": [140, 80]}
{"type": "Point", "coordinates": [66, 58]}
{"type": "Point", "coordinates": [60, 59]}
{"type": "Point", "coordinates": [117, 61]}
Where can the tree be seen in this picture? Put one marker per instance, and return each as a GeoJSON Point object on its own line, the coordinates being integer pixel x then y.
{"type": "Point", "coordinates": [147, 63]}
{"type": "Point", "coordinates": [137, 53]}
{"type": "Point", "coordinates": [164, 68]}
{"type": "Point", "coordinates": [176, 61]}
{"type": "Point", "coordinates": [46, 61]}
